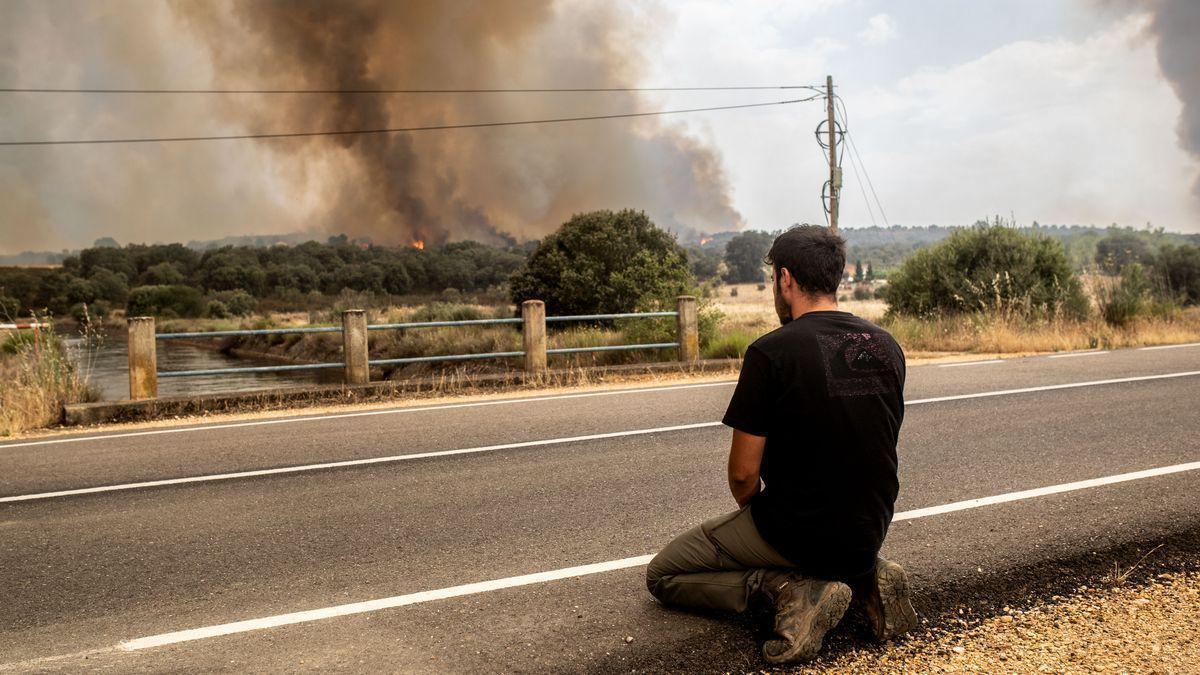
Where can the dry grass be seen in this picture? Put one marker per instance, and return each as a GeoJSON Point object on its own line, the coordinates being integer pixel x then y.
{"type": "Point", "coordinates": [751, 313]}
{"type": "Point", "coordinates": [38, 376]}
{"type": "Point", "coordinates": [1152, 627]}
{"type": "Point", "coordinates": [991, 334]}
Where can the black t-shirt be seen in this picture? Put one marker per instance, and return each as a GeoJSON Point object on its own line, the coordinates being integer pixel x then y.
{"type": "Point", "coordinates": [827, 391]}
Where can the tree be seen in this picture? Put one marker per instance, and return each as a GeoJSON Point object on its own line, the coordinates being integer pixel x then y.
{"type": "Point", "coordinates": [870, 271]}
{"type": "Point", "coordinates": [163, 274]}
{"type": "Point", "coordinates": [705, 263]}
{"type": "Point", "coordinates": [744, 256]}
{"type": "Point", "coordinates": [858, 271]}
{"type": "Point", "coordinates": [985, 268]}
{"type": "Point", "coordinates": [1116, 251]}
{"type": "Point", "coordinates": [109, 286]}
{"type": "Point", "coordinates": [604, 262]}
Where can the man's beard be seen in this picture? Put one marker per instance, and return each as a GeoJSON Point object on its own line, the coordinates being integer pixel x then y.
{"type": "Point", "coordinates": [781, 308]}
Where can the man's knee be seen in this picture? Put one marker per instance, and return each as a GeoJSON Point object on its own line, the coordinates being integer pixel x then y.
{"type": "Point", "coordinates": [655, 574]}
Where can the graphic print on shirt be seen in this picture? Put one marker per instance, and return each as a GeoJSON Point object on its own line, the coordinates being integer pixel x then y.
{"type": "Point", "coordinates": [857, 364]}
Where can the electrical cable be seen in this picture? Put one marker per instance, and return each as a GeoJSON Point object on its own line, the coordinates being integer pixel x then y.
{"type": "Point", "coordinates": [854, 149]}
{"type": "Point", "coordinates": [546, 90]}
{"type": "Point", "coordinates": [861, 189]}
{"type": "Point", "coordinates": [435, 127]}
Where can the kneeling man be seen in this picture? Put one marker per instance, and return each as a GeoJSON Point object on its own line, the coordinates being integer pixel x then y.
{"type": "Point", "coordinates": [815, 417]}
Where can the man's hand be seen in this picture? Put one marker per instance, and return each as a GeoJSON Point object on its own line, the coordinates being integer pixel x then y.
{"type": "Point", "coordinates": [745, 458]}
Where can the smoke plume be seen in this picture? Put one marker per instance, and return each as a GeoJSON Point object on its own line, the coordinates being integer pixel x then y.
{"type": "Point", "coordinates": [486, 184]}
{"type": "Point", "coordinates": [1175, 27]}
{"type": "Point", "coordinates": [1176, 23]}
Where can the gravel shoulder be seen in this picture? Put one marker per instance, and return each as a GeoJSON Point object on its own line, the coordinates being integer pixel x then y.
{"type": "Point", "coordinates": [1115, 626]}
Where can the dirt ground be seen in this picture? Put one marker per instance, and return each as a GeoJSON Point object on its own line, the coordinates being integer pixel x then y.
{"type": "Point", "coordinates": [1150, 627]}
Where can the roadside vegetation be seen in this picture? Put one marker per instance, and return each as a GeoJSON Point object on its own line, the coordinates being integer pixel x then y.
{"type": "Point", "coordinates": [39, 374]}
{"type": "Point", "coordinates": [992, 288]}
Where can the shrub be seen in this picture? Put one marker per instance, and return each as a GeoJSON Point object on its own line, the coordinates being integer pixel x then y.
{"type": "Point", "coordinates": [862, 293]}
{"type": "Point", "coordinates": [729, 346]}
{"type": "Point", "coordinates": [217, 310]}
{"type": "Point", "coordinates": [604, 262]}
{"type": "Point", "coordinates": [987, 268]}
{"type": "Point", "coordinates": [10, 307]}
{"type": "Point", "coordinates": [165, 301]}
{"type": "Point", "coordinates": [1178, 269]}
{"type": "Point", "coordinates": [240, 303]}
{"type": "Point", "coordinates": [1124, 298]}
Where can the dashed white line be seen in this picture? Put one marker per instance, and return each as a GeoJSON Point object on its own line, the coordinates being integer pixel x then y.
{"type": "Point", "coordinates": [351, 462]}
{"type": "Point", "coordinates": [1149, 349]}
{"type": "Point", "coordinates": [1074, 354]}
{"type": "Point", "coordinates": [970, 363]}
{"type": "Point", "coordinates": [594, 568]}
{"type": "Point", "coordinates": [530, 444]}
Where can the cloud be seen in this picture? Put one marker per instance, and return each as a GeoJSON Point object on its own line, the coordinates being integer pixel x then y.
{"type": "Point", "coordinates": [880, 29]}
{"type": "Point", "coordinates": [1061, 131]}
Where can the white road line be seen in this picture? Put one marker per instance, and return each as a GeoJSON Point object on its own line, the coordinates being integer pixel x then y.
{"type": "Point", "coordinates": [368, 413]}
{"type": "Point", "coordinates": [1149, 349]}
{"type": "Point", "coordinates": [1074, 354]}
{"type": "Point", "coordinates": [970, 363]}
{"type": "Point", "coordinates": [1052, 387]}
{"type": "Point", "coordinates": [352, 462]}
{"type": "Point", "coordinates": [584, 570]}
{"type": "Point", "coordinates": [530, 444]}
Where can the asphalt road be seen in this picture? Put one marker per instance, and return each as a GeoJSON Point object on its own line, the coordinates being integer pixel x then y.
{"type": "Point", "coordinates": [87, 581]}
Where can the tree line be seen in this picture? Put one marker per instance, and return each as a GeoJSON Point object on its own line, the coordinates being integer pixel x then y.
{"type": "Point", "coordinates": [172, 279]}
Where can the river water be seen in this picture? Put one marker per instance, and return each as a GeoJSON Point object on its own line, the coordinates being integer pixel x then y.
{"type": "Point", "coordinates": [108, 368]}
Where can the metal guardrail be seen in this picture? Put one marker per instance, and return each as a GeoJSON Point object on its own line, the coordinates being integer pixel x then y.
{"type": "Point", "coordinates": [144, 373]}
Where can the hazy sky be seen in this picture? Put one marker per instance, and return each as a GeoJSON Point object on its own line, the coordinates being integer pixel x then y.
{"type": "Point", "coordinates": [1048, 110]}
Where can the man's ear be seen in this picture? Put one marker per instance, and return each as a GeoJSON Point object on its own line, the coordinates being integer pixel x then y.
{"type": "Point", "coordinates": [785, 278]}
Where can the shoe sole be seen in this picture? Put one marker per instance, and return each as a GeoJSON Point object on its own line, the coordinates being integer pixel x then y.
{"type": "Point", "coordinates": [899, 617]}
{"type": "Point", "coordinates": [829, 610]}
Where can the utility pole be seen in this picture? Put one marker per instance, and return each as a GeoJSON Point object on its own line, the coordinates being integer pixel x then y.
{"type": "Point", "coordinates": [835, 172]}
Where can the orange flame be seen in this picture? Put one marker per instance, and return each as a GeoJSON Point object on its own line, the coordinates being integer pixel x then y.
{"type": "Point", "coordinates": [704, 240]}
{"type": "Point", "coordinates": [418, 244]}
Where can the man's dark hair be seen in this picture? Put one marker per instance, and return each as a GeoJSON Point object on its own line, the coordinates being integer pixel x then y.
{"type": "Point", "coordinates": [814, 255]}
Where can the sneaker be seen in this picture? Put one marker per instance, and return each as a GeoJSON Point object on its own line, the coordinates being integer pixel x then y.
{"type": "Point", "coordinates": [805, 609]}
{"type": "Point", "coordinates": [886, 602]}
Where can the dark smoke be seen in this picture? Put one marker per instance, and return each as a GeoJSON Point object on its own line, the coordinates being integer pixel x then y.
{"type": "Point", "coordinates": [1176, 23]}
{"type": "Point", "coordinates": [472, 184]}
{"type": "Point", "coordinates": [1175, 26]}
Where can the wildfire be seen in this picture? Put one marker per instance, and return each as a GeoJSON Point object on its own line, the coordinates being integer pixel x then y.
{"type": "Point", "coordinates": [705, 240]}
{"type": "Point", "coordinates": [418, 244]}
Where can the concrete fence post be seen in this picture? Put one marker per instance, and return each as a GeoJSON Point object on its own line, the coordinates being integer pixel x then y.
{"type": "Point", "coordinates": [354, 346]}
{"type": "Point", "coordinates": [689, 334]}
{"type": "Point", "coordinates": [143, 358]}
{"type": "Point", "coordinates": [533, 315]}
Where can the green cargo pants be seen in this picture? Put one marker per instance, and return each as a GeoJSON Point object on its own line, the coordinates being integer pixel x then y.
{"type": "Point", "coordinates": [715, 566]}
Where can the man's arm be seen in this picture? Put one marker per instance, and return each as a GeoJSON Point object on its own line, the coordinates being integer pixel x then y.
{"type": "Point", "coordinates": [745, 458]}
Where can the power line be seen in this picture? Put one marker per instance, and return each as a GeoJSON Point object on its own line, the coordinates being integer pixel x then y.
{"type": "Point", "coordinates": [436, 127]}
{"type": "Point", "coordinates": [541, 90]}
{"type": "Point", "coordinates": [854, 150]}
{"type": "Point", "coordinates": [861, 189]}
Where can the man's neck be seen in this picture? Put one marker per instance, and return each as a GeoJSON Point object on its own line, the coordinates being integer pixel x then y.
{"type": "Point", "coordinates": [805, 304]}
